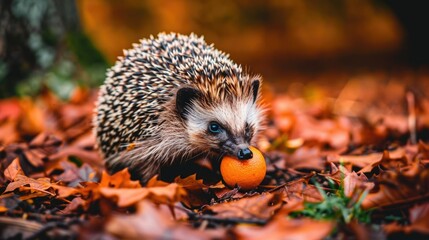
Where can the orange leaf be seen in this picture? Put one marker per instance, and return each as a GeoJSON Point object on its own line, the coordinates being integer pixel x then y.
{"type": "Point", "coordinates": [121, 179]}
{"type": "Point", "coordinates": [126, 192]}
{"type": "Point", "coordinates": [9, 108]}
{"type": "Point", "coordinates": [190, 182]}
{"type": "Point", "coordinates": [125, 197]}
{"type": "Point", "coordinates": [64, 191]}
{"type": "Point", "coordinates": [9, 133]}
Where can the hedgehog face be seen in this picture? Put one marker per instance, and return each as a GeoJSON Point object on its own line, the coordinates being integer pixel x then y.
{"type": "Point", "coordinates": [226, 127]}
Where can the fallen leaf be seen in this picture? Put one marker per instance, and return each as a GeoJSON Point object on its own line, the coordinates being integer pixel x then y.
{"type": "Point", "coordinates": [125, 197]}
{"type": "Point", "coordinates": [259, 207]}
{"type": "Point", "coordinates": [33, 119]}
{"type": "Point", "coordinates": [348, 180]}
{"type": "Point", "coordinates": [301, 190]}
{"type": "Point", "coordinates": [284, 228]}
{"type": "Point", "coordinates": [352, 181]}
{"type": "Point", "coordinates": [190, 182]}
{"type": "Point", "coordinates": [368, 162]}
{"type": "Point", "coordinates": [35, 156]}
{"type": "Point", "coordinates": [13, 170]}
{"type": "Point", "coordinates": [306, 158]}
{"type": "Point", "coordinates": [8, 132]}
{"type": "Point", "coordinates": [9, 108]}
{"type": "Point", "coordinates": [63, 191]}
{"type": "Point", "coordinates": [75, 204]}
{"type": "Point", "coordinates": [150, 223]}
{"type": "Point", "coordinates": [419, 226]}
{"type": "Point", "coordinates": [399, 188]}
{"type": "Point", "coordinates": [360, 161]}
{"type": "Point", "coordinates": [40, 184]}
{"type": "Point", "coordinates": [87, 156]}
{"type": "Point", "coordinates": [121, 179]}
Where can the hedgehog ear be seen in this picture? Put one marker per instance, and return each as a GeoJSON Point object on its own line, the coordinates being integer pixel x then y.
{"type": "Point", "coordinates": [184, 98]}
{"type": "Point", "coordinates": [255, 89]}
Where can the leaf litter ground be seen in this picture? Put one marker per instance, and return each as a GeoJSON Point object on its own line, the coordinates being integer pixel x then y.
{"type": "Point", "coordinates": [346, 163]}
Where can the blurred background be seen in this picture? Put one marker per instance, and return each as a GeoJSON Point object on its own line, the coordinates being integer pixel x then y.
{"type": "Point", "coordinates": [61, 44]}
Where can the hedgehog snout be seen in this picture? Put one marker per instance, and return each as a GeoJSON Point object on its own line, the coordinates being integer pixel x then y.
{"type": "Point", "coordinates": [240, 151]}
{"type": "Point", "coordinates": [244, 154]}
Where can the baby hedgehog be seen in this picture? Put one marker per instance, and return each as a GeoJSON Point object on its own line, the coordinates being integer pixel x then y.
{"type": "Point", "coordinates": [172, 99]}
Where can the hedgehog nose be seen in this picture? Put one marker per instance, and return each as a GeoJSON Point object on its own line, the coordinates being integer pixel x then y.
{"type": "Point", "coordinates": [244, 154]}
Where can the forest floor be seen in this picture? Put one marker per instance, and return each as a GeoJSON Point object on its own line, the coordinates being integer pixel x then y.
{"type": "Point", "coordinates": [347, 160]}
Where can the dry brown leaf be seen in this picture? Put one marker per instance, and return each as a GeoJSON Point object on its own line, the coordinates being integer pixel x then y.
{"type": "Point", "coordinates": [40, 148]}
{"type": "Point", "coordinates": [352, 181]}
{"type": "Point", "coordinates": [73, 175]}
{"type": "Point", "coordinates": [87, 156]}
{"type": "Point", "coordinates": [125, 197]}
{"type": "Point", "coordinates": [419, 217]}
{"type": "Point", "coordinates": [35, 157]}
{"type": "Point", "coordinates": [21, 181]}
{"type": "Point", "coordinates": [348, 180]}
{"type": "Point", "coordinates": [360, 161]}
{"type": "Point", "coordinates": [74, 205]}
{"type": "Point", "coordinates": [307, 158]}
{"type": "Point", "coordinates": [260, 207]}
{"type": "Point", "coordinates": [282, 227]}
{"type": "Point", "coordinates": [400, 188]}
{"type": "Point", "coordinates": [370, 161]}
{"type": "Point", "coordinates": [151, 223]}
{"type": "Point", "coordinates": [13, 170]}
{"type": "Point", "coordinates": [419, 226]}
{"type": "Point", "coordinates": [198, 193]}
{"type": "Point", "coordinates": [301, 190]}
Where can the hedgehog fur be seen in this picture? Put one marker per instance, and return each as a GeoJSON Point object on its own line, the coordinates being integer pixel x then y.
{"type": "Point", "coordinates": [158, 100]}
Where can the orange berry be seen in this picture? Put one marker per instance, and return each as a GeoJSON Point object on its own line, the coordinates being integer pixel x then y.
{"type": "Point", "coordinates": [247, 174]}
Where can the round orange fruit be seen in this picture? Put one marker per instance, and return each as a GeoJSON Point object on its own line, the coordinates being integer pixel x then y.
{"type": "Point", "coordinates": [247, 174]}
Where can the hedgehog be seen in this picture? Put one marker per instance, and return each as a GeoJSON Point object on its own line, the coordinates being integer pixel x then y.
{"type": "Point", "coordinates": [173, 99]}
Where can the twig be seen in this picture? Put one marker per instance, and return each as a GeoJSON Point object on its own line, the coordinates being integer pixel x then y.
{"type": "Point", "coordinates": [22, 224]}
{"type": "Point", "coordinates": [52, 225]}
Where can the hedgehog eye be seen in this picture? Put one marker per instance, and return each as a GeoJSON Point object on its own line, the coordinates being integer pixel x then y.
{"type": "Point", "coordinates": [214, 127]}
